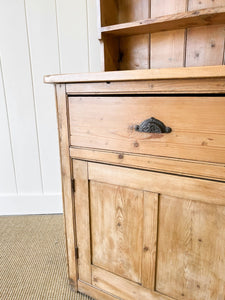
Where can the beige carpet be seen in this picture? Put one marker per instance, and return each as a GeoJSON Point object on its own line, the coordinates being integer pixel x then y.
{"type": "Point", "coordinates": [33, 259]}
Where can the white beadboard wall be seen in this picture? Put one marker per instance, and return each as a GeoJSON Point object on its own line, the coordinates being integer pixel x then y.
{"type": "Point", "coordinates": [38, 37]}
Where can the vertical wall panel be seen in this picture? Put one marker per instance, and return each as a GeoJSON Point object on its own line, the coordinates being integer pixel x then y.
{"type": "Point", "coordinates": [94, 43]}
{"type": "Point", "coordinates": [19, 96]}
{"type": "Point", "coordinates": [43, 41]}
{"type": "Point", "coordinates": [73, 35]}
{"type": "Point", "coordinates": [38, 37]}
{"type": "Point", "coordinates": [7, 175]}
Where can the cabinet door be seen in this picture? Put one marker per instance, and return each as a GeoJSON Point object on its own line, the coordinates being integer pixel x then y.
{"type": "Point", "coordinates": [147, 235]}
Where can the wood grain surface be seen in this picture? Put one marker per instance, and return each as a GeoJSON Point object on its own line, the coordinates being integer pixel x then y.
{"type": "Point", "coordinates": [211, 192]}
{"type": "Point", "coordinates": [149, 240]}
{"type": "Point", "coordinates": [66, 171]}
{"type": "Point", "coordinates": [162, 86]}
{"type": "Point", "coordinates": [167, 73]}
{"type": "Point", "coordinates": [121, 287]}
{"type": "Point", "coordinates": [180, 32]}
{"type": "Point", "coordinates": [150, 162]}
{"type": "Point", "coordinates": [164, 21]}
{"type": "Point", "coordinates": [117, 230]}
{"type": "Point", "coordinates": [191, 257]}
{"type": "Point", "coordinates": [205, 46]}
{"type": "Point", "coordinates": [80, 174]}
{"type": "Point", "coordinates": [108, 123]}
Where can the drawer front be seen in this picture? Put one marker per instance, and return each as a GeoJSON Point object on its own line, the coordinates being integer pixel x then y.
{"type": "Point", "coordinates": [197, 123]}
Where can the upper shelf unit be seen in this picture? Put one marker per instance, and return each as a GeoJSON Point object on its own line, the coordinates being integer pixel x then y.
{"type": "Point", "coordinates": [144, 34]}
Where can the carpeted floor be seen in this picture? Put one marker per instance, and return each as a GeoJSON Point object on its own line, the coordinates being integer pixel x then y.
{"type": "Point", "coordinates": [33, 259]}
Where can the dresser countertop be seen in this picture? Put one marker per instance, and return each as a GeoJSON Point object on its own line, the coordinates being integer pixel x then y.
{"type": "Point", "coordinates": [173, 73]}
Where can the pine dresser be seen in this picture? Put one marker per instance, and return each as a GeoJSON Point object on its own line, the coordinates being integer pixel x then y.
{"type": "Point", "coordinates": [143, 177]}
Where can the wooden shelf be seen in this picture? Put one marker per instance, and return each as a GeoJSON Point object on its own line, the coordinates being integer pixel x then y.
{"type": "Point", "coordinates": [173, 73]}
{"type": "Point", "coordinates": [203, 17]}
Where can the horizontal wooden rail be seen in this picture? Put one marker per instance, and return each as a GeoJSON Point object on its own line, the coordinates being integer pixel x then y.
{"type": "Point", "coordinates": [202, 17]}
{"type": "Point", "coordinates": [173, 73]}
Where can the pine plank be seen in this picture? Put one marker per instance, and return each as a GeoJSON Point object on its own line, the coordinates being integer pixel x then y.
{"type": "Point", "coordinates": [193, 4]}
{"type": "Point", "coordinates": [91, 291]}
{"type": "Point", "coordinates": [166, 21]}
{"type": "Point", "coordinates": [121, 287]}
{"type": "Point", "coordinates": [167, 48]}
{"type": "Point", "coordinates": [66, 171]}
{"type": "Point", "coordinates": [149, 240]}
{"type": "Point", "coordinates": [193, 136]}
{"type": "Point", "coordinates": [166, 8]}
{"type": "Point", "coordinates": [133, 10]}
{"type": "Point", "coordinates": [110, 48]}
{"type": "Point", "coordinates": [175, 186]}
{"type": "Point", "coordinates": [149, 162]}
{"type": "Point", "coordinates": [108, 12]}
{"type": "Point", "coordinates": [134, 52]}
{"type": "Point", "coordinates": [117, 240]}
{"type": "Point", "coordinates": [167, 73]}
{"type": "Point", "coordinates": [191, 257]}
{"type": "Point", "coordinates": [80, 174]}
{"type": "Point", "coordinates": [159, 86]}
{"type": "Point", "coordinates": [205, 46]}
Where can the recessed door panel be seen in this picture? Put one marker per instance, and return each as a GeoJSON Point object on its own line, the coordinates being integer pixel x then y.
{"type": "Point", "coordinates": [117, 229]}
{"type": "Point", "coordinates": [191, 249]}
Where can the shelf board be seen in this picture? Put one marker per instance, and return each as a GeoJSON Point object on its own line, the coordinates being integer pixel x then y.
{"type": "Point", "coordinates": [202, 17]}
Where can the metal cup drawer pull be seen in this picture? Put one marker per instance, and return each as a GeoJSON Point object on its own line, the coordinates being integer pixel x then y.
{"type": "Point", "coordinates": [152, 125]}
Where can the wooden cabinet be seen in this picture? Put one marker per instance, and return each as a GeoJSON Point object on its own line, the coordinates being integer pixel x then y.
{"type": "Point", "coordinates": [144, 211]}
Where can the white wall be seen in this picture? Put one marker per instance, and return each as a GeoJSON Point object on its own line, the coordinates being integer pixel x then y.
{"type": "Point", "coordinates": [38, 37]}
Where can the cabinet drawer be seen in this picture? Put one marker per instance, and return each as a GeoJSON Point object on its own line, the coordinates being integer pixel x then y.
{"type": "Point", "coordinates": [197, 123]}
